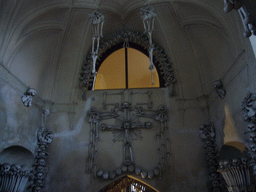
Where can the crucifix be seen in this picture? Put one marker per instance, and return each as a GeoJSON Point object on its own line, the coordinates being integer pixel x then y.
{"type": "Point", "coordinates": [126, 129]}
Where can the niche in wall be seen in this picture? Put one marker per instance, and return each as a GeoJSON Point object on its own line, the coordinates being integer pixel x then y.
{"type": "Point", "coordinates": [18, 155]}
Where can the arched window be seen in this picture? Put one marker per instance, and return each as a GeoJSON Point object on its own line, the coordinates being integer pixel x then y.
{"type": "Point", "coordinates": [125, 68]}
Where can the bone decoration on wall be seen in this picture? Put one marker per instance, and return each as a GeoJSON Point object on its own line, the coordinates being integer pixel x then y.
{"type": "Point", "coordinates": [13, 178]}
{"type": "Point", "coordinates": [28, 97]}
{"type": "Point", "coordinates": [249, 109]}
{"type": "Point", "coordinates": [248, 20]}
{"type": "Point", "coordinates": [207, 135]}
{"type": "Point", "coordinates": [128, 127]}
{"type": "Point", "coordinates": [44, 138]}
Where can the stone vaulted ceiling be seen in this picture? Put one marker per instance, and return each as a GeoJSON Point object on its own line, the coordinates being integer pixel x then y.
{"type": "Point", "coordinates": [44, 42]}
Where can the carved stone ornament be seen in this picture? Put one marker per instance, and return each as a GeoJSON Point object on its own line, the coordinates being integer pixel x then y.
{"type": "Point", "coordinates": [248, 20]}
{"type": "Point", "coordinates": [207, 135]}
{"type": "Point", "coordinates": [27, 97]}
{"type": "Point", "coordinates": [218, 86]}
{"type": "Point", "coordinates": [160, 58]}
{"type": "Point", "coordinates": [127, 128]}
{"type": "Point", "coordinates": [13, 177]}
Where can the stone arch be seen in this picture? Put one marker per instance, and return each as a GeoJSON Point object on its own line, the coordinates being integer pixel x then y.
{"type": "Point", "coordinates": [125, 182]}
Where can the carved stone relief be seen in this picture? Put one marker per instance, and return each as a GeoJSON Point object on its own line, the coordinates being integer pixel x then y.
{"type": "Point", "coordinates": [127, 127]}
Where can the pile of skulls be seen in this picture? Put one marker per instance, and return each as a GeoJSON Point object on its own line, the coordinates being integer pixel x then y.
{"type": "Point", "coordinates": [13, 177]}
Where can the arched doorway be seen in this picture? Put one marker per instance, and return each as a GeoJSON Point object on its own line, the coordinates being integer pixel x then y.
{"type": "Point", "coordinates": [128, 184]}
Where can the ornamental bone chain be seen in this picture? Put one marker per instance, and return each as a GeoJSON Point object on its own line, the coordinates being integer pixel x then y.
{"type": "Point", "coordinates": [148, 17]}
{"type": "Point", "coordinates": [249, 109]}
{"type": "Point", "coordinates": [97, 21]}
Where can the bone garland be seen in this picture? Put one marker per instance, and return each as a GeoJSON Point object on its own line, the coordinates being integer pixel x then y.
{"type": "Point", "coordinates": [207, 135]}
{"type": "Point", "coordinates": [13, 177]}
{"type": "Point", "coordinates": [248, 21]}
{"type": "Point", "coordinates": [97, 21]}
{"type": "Point", "coordinates": [148, 17]}
{"type": "Point", "coordinates": [237, 174]}
{"type": "Point", "coordinates": [44, 138]}
{"type": "Point", "coordinates": [160, 58]}
{"type": "Point", "coordinates": [27, 97]}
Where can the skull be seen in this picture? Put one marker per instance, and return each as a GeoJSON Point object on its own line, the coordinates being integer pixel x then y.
{"type": "Point", "coordinates": [213, 168]}
{"type": "Point", "coordinates": [40, 175]}
{"type": "Point", "coordinates": [125, 105]}
{"type": "Point", "coordinates": [214, 176]}
{"type": "Point", "coordinates": [227, 163]}
{"type": "Point", "coordinates": [41, 161]}
{"type": "Point", "coordinates": [236, 161]}
{"type": "Point", "coordinates": [251, 127]}
{"type": "Point", "coordinates": [15, 168]}
{"type": "Point", "coordinates": [24, 169]}
{"type": "Point", "coordinates": [210, 149]}
{"type": "Point", "coordinates": [215, 183]}
{"type": "Point", "coordinates": [208, 143]}
{"type": "Point", "coordinates": [42, 153]}
{"type": "Point", "coordinates": [148, 125]}
{"type": "Point", "coordinates": [244, 160]}
{"type": "Point", "coordinates": [252, 137]}
{"type": "Point", "coordinates": [37, 189]}
{"type": "Point", "coordinates": [5, 167]}
{"type": "Point", "coordinates": [40, 168]}
{"type": "Point", "coordinates": [221, 164]}
{"type": "Point", "coordinates": [212, 162]}
{"type": "Point", "coordinates": [49, 137]}
{"type": "Point", "coordinates": [127, 125]}
{"type": "Point", "coordinates": [39, 182]}
{"type": "Point", "coordinates": [253, 147]}
{"type": "Point", "coordinates": [42, 147]}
